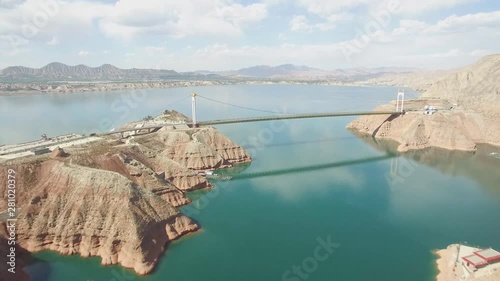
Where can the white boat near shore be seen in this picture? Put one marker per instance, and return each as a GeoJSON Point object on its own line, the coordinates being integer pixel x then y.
{"type": "Point", "coordinates": [495, 154]}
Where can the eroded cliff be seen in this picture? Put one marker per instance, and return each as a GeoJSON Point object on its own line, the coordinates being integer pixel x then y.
{"type": "Point", "coordinates": [113, 199]}
{"type": "Point", "coordinates": [468, 104]}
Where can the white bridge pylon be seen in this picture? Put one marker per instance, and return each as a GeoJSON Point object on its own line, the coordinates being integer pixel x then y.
{"type": "Point", "coordinates": [400, 101]}
{"type": "Point", "coordinates": [193, 108]}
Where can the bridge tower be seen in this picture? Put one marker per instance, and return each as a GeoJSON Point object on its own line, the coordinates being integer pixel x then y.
{"type": "Point", "coordinates": [400, 101]}
{"type": "Point", "coordinates": [193, 109]}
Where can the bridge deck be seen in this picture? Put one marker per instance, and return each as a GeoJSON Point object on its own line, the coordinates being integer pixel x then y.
{"type": "Point", "coordinates": [294, 116]}
{"type": "Point", "coordinates": [233, 121]}
{"type": "Point", "coordinates": [262, 118]}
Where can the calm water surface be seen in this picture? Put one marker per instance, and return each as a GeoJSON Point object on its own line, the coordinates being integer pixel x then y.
{"type": "Point", "coordinates": [268, 227]}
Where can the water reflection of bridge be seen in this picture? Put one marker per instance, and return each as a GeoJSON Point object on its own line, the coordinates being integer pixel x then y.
{"type": "Point", "coordinates": [301, 169]}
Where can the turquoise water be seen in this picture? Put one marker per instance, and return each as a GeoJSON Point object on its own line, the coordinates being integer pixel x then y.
{"type": "Point", "coordinates": [381, 226]}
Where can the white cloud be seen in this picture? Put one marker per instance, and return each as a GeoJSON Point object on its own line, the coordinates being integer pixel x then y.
{"type": "Point", "coordinates": [421, 6]}
{"type": "Point", "coordinates": [129, 18]}
{"type": "Point", "coordinates": [468, 22]}
{"type": "Point", "coordinates": [9, 4]}
{"type": "Point", "coordinates": [53, 41]}
{"type": "Point", "coordinates": [301, 23]}
{"type": "Point", "coordinates": [409, 27]}
{"type": "Point", "coordinates": [449, 25]}
{"type": "Point", "coordinates": [415, 41]}
{"type": "Point", "coordinates": [83, 53]}
{"type": "Point", "coordinates": [327, 8]}
{"type": "Point", "coordinates": [154, 49]}
{"type": "Point", "coordinates": [126, 19]}
{"type": "Point", "coordinates": [39, 22]}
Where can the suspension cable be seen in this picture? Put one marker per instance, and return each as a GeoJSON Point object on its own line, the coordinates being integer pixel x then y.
{"type": "Point", "coordinates": [376, 101]}
{"type": "Point", "coordinates": [244, 107]}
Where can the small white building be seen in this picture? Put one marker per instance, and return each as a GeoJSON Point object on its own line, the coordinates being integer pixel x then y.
{"type": "Point", "coordinates": [429, 110]}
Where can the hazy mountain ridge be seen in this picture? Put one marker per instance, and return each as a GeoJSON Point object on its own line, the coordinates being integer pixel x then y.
{"type": "Point", "coordinates": [306, 72]}
{"type": "Point", "coordinates": [60, 71]}
{"type": "Point", "coordinates": [266, 71]}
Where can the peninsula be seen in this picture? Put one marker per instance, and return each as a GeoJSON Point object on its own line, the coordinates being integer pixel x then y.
{"type": "Point", "coordinates": [116, 197]}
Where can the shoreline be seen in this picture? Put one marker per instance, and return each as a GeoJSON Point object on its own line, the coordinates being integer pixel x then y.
{"type": "Point", "coordinates": [442, 263]}
{"type": "Point", "coordinates": [155, 178]}
{"type": "Point", "coordinates": [458, 129]}
{"type": "Point", "coordinates": [135, 86]}
{"type": "Point", "coordinates": [451, 267]}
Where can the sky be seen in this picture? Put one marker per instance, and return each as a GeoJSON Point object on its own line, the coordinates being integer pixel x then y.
{"type": "Point", "coordinates": [189, 35]}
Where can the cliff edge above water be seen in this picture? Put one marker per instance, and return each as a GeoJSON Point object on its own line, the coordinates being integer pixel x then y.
{"type": "Point", "coordinates": [116, 199]}
{"type": "Point", "coordinates": [468, 112]}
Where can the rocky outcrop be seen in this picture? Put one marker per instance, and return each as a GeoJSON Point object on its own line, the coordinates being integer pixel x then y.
{"type": "Point", "coordinates": [113, 200]}
{"type": "Point", "coordinates": [74, 209]}
{"type": "Point", "coordinates": [468, 113]}
{"type": "Point", "coordinates": [475, 88]}
{"type": "Point", "coordinates": [186, 152]}
{"type": "Point", "coordinates": [58, 153]}
{"type": "Point", "coordinates": [455, 131]}
{"type": "Point", "coordinates": [417, 80]}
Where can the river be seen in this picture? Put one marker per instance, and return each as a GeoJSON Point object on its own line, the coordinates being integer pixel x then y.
{"type": "Point", "coordinates": [332, 209]}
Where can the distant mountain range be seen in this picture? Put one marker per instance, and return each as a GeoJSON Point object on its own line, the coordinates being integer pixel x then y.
{"type": "Point", "coordinates": [60, 71]}
{"type": "Point", "coordinates": [290, 71]}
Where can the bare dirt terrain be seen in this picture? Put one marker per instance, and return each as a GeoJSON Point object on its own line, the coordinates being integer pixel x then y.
{"type": "Point", "coordinates": [468, 112]}
{"type": "Point", "coordinates": [115, 199]}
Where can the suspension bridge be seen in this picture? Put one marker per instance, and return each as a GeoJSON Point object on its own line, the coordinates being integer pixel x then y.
{"type": "Point", "coordinates": [281, 116]}
{"type": "Point", "coordinates": [148, 128]}
{"type": "Point", "coordinates": [276, 115]}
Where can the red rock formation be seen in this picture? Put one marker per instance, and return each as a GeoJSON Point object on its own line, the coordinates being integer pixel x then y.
{"type": "Point", "coordinates": [116, 201]}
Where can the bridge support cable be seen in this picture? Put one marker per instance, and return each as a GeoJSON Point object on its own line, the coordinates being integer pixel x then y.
{"type": "Point", "coordinates": [244, 107]}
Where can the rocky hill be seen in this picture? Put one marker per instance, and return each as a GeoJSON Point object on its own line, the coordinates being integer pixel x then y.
{"type": "Point", "coordinates": [116, 199]}
{"type": "Point", "coordinates": [60, 71]}
{"type": "Point", "coordinates": [476, 87]}
{"type": "Point", "coordinates": [468, 112]}
{"type": "Point", "coordinates": [290, 71]}
{"type": "Point", "coordinates": [265, 71]}
{"type": "Point", "coordinates": [419, 80]}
